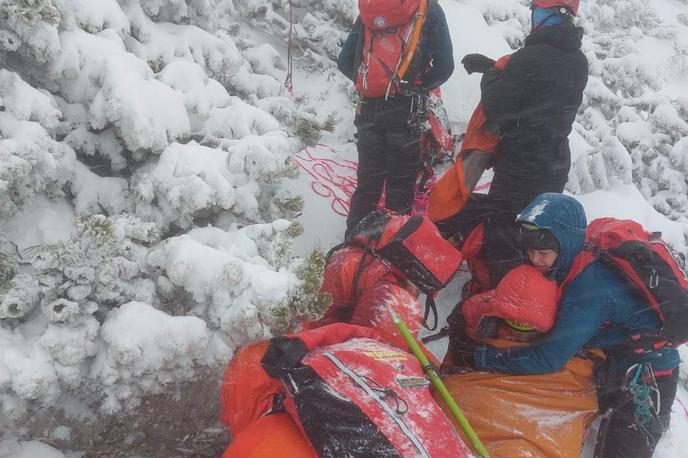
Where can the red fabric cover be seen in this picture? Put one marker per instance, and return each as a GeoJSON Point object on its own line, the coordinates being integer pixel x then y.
{"type": "Point", "coordinates": [376, 304]}
{"type": "Point", "coordinates": [394, 223]}
{"type": "Point", "coordinates": [269, 437]}
{"type": "Point", "coordinates": [387, 367]}
{"type": "Point", "coordinates": [426, 244]}
{"type": "Point", "coordinates": [390, 288]}
{"type": "Point", "coordinates": [338, 281]}
{"type": "Point", "coordinates": [333, 334]}
{"type": "Point", "coordinates": [392, 12]}
{"type": "Point", "coordinates": [246, 392]}
{"type": "Point", "coordinates": [524, 295]}
{"type": "Point", "coordinates": [572, 5]}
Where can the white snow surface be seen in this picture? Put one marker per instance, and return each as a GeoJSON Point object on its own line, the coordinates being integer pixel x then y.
{"type": "Point", "coordinates": [168, 118]}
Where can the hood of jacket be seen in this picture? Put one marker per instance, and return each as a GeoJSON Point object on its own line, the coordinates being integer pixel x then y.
{"type": "Point", "coordinates": [566, 37]}
{"type": "Point", "coordinates": [565, 218]}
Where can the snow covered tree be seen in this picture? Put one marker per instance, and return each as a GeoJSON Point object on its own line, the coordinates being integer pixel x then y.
{"type": "Point", "coordinates": [163, 130]}
{"type": "Point", "coordinates": [624, 105]}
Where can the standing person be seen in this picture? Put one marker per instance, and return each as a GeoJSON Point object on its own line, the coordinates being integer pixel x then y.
{"type": "Point", "coordinates": [531, 103]}
{"type": "Point", "coordinates": [598, 308]}
{"type": "Point", "coordinates": [396, 53]}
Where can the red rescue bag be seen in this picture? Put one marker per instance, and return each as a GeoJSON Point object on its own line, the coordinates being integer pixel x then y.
{"type": "Point", "coordinates": [412, 246]}
{"type": "Point", "coordinates": [359, 397]}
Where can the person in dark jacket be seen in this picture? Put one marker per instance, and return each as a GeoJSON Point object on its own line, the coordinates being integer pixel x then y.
{"type": "Point", "coordinates": [598, 308]}
{"type": "Point", "coordinates": [532, 104]}
{"type": "Point", "coordinates": [388, 142]}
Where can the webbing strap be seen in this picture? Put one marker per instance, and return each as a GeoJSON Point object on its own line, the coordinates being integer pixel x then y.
{"type": "Point", "coordinates": [430, 306]}
{"type": "Point", "coordinates": [370, 392]}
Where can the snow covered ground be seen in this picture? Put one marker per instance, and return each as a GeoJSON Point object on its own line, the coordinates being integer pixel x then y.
{"type": "Point", "coordinates": [169, 118]}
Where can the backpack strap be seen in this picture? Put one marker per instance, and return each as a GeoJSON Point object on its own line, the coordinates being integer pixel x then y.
{"type": "Point", "coordinates": [360, 44]}
{"type": "Point", "coordinates": [430, 306]}
{"type": "Point", "coordinates": [407, 57]}
{"type": "Point", "coordinates": [359, 270]}
{"type": "Point", "coordinates": [587, 256]}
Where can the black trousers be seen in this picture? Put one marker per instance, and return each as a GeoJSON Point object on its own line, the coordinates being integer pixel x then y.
{"type": "Point", "coordinates": [500, 251]}
{"type": "Point", "coordinates": [388, 151]}
{"type": "Point", "coordinates": [619, 437]}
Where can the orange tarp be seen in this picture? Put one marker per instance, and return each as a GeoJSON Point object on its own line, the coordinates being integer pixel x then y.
{"type": "Point", "coordinates": [246, 391]}
{"type": "Point", "coordinates": [544, 416]}
{"type": "Point", "coordinates": [272, 436]}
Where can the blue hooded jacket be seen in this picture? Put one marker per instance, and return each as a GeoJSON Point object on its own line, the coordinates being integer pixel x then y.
{"type": "Point", "coordinates": [597, 296]}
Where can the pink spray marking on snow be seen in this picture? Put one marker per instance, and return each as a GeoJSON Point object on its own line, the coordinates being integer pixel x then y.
{"type": "Point", "coordinates": [335, 179]}
{"type": "Point", "coordinates": [330, 178]}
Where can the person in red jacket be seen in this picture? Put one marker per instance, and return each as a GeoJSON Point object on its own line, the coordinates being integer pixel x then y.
{"type": "Point", "coordinates": [388, 135]}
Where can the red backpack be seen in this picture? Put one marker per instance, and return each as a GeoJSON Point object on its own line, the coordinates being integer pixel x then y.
{"type": "Point", "coordinates": [411, 247]}
{"type": "Point", "coordinates": [655, 270]}
{"type": "Point", "coordinates": [352, 395]}
{"type": "Point", "coordinates": [390, 40]}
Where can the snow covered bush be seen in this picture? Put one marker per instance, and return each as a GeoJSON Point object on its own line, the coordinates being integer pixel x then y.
{"type": "Point", "coordinates": [88, 271]}
{"type": "Point", "coordinates": [319, 25]}
{"type": "Point", "coordinates": [190, 179]}
{"type": "Point", "coordinates": [306, 302]}
{"type": "Point", "coordinates": [75, 283]}
{"type": "Point", "coordinates": [29, 27]}
{"type": "Point", "coordinates": [31, 161]}
{"type": "Point", "coordinates": [145, 348]}
{"type": "Point", "coordinates": [607, 162]}
{"type": "Point", "coordinates": [234, 279]}
{"type": "Point", "coordinates": [625, 102]}
{"type": "Point", "coordinates": [145, 119]}
{"type": "Point", "coordinates": [512, 18]}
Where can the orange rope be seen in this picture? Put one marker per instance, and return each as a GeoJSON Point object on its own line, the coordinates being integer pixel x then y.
{"type": "Point", "coordinates": [415, 39]}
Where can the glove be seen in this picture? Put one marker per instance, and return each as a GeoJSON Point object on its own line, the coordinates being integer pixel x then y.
{"type": "Point", "coordinates": [463, 353]}
{"type": "Point", "coordinates": [477, 63]}
{"type": "Point", "coordinates": [283, 355]}
{"type": "Point", "coordinates": [460, 344]}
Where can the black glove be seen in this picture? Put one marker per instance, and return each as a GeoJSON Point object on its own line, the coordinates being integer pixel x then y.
{"type": "Point", "coordinates": [463, 353]}
{"type": "Point", "coordinates": [461, 346]}
{"type": "Point", "coordinates": [477, 63]}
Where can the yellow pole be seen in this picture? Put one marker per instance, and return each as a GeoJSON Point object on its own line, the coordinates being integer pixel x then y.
{"type": "Point", "coordinates": [441, 388]}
